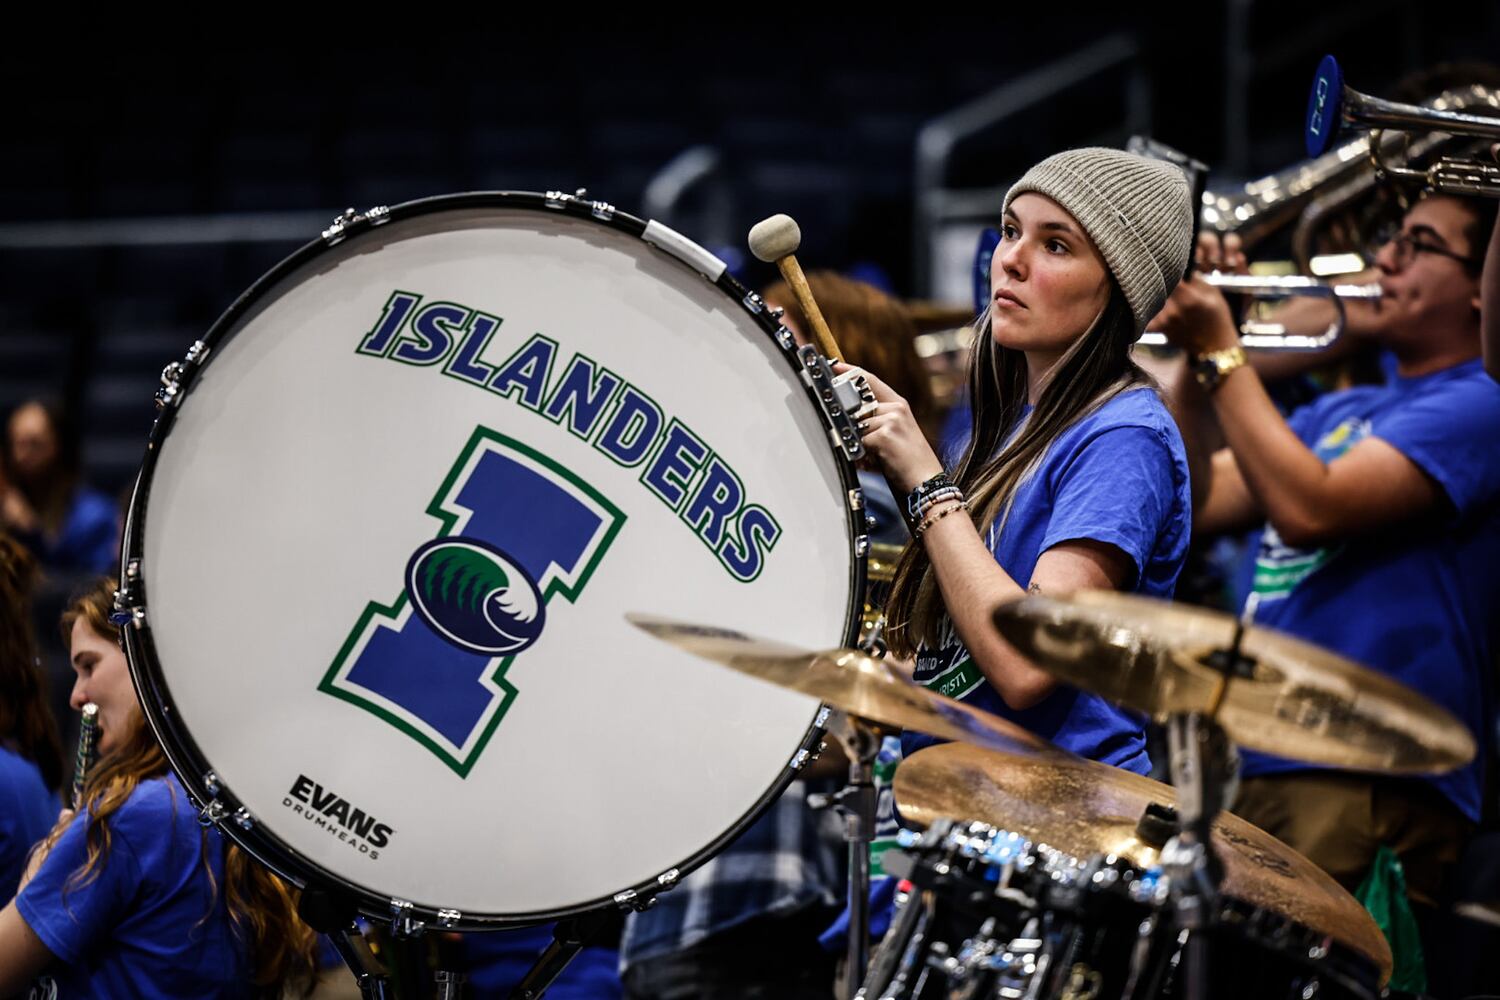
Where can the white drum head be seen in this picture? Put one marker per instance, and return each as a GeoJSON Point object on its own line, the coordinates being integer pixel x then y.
{"type": "Point", "coordinates": [390, 535]}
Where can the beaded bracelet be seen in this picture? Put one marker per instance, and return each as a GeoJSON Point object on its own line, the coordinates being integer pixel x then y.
{"type": "Point", "coordinates": [915, 498]}
{"type": "Point", "coordinates": [931, 500]}
{"type": "Point", "coordinates": [935, 518]}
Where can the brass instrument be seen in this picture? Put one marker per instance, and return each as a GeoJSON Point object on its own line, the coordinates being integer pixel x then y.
{"type": "Point", "coordinates": [1333, 105]}
{"type": "Point", "coordinates": [1270, 336]}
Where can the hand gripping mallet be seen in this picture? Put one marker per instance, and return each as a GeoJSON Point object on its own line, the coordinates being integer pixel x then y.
{"type": "Point", "coordinates": [775, 241]}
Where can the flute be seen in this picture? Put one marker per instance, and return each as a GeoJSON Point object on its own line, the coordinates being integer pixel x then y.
{"type": "Point", "coordinates": [88, 750]}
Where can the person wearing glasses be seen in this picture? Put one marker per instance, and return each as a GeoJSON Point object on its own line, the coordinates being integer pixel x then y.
{"type": "Point", "coordinates": [1381, 537]}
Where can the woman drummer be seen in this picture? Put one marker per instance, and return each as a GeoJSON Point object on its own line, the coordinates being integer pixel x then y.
{"type": "Point", "coordinates": [1075, 475]}
{"type": "Point", "coordinates": [132, 897]}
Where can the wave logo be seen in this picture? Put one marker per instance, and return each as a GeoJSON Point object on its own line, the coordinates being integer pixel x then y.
{"type": "Point", "coordinates": [475, 596]}
{"type": "Point", "coordinates": [519, 535]}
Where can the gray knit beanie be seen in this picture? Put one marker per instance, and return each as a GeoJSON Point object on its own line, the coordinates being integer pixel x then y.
{"type": "Point", "coordinates": [1138, 212]}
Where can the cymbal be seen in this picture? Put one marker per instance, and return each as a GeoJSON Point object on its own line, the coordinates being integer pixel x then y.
{"type": "Point", "coordinates": [856, 682]}
{"type": "Point", "coordinates": [1084, 808]}
{"type": "Point", "coordinates": [1293, 698]}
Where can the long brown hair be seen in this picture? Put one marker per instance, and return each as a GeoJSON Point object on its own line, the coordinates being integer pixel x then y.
{"type": "Point", "coordinates": [26, 719]}
{"type": "Point", "coordinates": [262, 909]}
{"type": "Point", "coordinates": [1006, 445]}
{"type": "Point", "coordinates": [874, 331]}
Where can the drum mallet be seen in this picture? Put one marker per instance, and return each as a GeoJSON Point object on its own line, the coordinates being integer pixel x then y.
{"type": "Point", "coordinates": [775, 241]}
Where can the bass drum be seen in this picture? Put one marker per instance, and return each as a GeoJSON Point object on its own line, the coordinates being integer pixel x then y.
{"type": "Point", "coordinates": [394, 511]}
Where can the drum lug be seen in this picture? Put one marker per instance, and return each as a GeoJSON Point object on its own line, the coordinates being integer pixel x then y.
{"type": "Point", "coordinates": [862, 546]}
{"type": "Point", "coordinates": [557, 200]}
{"type": "Point", "coordinates": [821, 719]}
{"type": "Point", "coordinates": [755, 303]}
{"type": "Point", "coordinates": [785, 339]}
{"type": "Point", "coordinates": [403, 924]}
{"type": "Point", "coordinates": [801, 760]}
{"type": "Point", "coordinates": [212, 813]}
{"type": "Point", "coordinates": [243, 819]}
{"type": "Point", "coordinates": [449, 918]}
{"type": "Point", "coordinates": [602, 210]}
{"type": "Point", "coordinates": [128, 609]}
{"type": "Point", "coordinates": [175, 374]}
{"type": "Point", "coordinates": [350, 219]}
{"type": "Point", "coordinates": [856, 499]}
{"type": "Point", "coordinates": [838, 400]}
{"type": "Point", "coordinates": [631, 900]}
{"type": "Point", "coordinates": [211, 784]}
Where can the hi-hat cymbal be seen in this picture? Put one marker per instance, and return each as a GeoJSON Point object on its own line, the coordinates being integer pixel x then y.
{"type": "Point", "coordinates": [848, 679]}
{"type": "Point", "coordinates": [1085, 808]}
{"type": "Point", "coordinates": [1290, 697]}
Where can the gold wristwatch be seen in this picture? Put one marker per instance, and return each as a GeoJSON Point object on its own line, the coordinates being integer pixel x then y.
{"type": "Point", "coordinates": [1209, 369]}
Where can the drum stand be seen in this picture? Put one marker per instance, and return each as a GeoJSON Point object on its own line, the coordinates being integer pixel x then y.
{"type": "Point", "coordinates": [1205, 771]}
{"type": "Point", "coordinates": [329, 915]}
{"type": "Point", "coordinates": [855, 802]}
{"type": "Point", "coordinates": [569, 937]}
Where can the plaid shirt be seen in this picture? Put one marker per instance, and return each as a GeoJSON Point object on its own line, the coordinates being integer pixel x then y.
{"type": "Point", "coordinates": [789, 858]}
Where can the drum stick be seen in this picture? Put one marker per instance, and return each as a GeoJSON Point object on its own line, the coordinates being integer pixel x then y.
{"type": "Point", "coordinates": [88, 750]}
{"type": "Point", "coordinates": [775, 241]}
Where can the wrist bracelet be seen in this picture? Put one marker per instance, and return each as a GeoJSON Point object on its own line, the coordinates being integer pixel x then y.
{"type": "Point", "coordinates": [935, 518]}
{"type": "Point", "coordinates": [924, 490]}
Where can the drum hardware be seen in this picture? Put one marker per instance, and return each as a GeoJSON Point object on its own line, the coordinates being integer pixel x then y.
{"type": "Point", "coordinates": [569, 937]}
{"type": "Point", "coordinates": [349, 221]}
{"type": "Point", "coordinates": [243, 819]}
{"type": "Point", "coordinates": [333, 916]}
{"type": "Point", "coordinates": [403, 923]}
{"type": "Point", "coordinates": [1204, 770]}
{"type": "Point", "coordinates": [128, 609]}
{"type": "Point", "coordinates": [212, 813]}
{"type": "Point", "coordinates": [174, 375]}
{"type": "Point", "coordinates": [845, 399]}
{"type": "Point", "coordinates": [450, 985]}
{"type": "Point", "coordinates": [856, 804]}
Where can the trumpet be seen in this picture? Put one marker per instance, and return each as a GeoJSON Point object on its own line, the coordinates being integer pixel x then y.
{"type": "Point", "coordinates": [1270, 336]}
{"type": "Point", "coordinates": [1333, 105]}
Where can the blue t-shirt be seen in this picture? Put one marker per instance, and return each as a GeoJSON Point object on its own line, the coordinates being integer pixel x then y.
{"type": "Point", "coordinates": [89, 540]}
{"type": "Point", "coordinates": [27, 812]}
{"type": "Point", "coordinates": [1119, 476]}
{"type": "Point", "coordinates": [151, 924]}
{"type": "Point", "coordinates": [1420, 601]}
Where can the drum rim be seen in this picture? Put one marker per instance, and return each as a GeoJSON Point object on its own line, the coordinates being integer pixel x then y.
{"type": "Point", "coordinates": [193, 768]}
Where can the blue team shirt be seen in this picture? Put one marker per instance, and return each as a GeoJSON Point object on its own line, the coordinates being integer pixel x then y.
{"type": "Point", "coordinates": [151, 924]}
{"type": "Point", "coordinates": [27, 811]}
{"type": "Point", "coordinates": [1416, 601]}
{"type": "Point", "coordinates": [1119, 475]}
